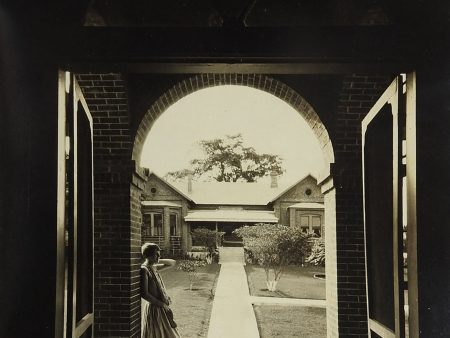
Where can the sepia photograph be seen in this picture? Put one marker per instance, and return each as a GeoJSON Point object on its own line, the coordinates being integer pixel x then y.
{"type": "Point", "coordinates": [224, 169]}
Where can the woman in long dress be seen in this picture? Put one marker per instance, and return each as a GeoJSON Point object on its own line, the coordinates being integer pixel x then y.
{"type": "Point", "coordinates": [157, 317]}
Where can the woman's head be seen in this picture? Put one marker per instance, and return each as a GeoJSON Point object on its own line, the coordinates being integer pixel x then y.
{"type": "Point", "coordinates": [151, 251]}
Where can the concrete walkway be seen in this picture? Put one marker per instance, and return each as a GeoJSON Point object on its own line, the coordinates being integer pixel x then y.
{"type": "Point", "coordinates": [232, 313]}
{"type": "Point", "coordinates": [289, 301]}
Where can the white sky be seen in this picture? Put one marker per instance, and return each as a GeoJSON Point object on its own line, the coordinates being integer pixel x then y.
{"type": "Point", "coordinates": [266, 123]}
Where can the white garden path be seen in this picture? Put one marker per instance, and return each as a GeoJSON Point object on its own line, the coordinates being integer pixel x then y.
{"type": "Point", "coordinates": [232, 314]}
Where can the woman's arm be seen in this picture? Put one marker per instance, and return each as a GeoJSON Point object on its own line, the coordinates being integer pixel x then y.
{"type": "Point", "coordinates": [149, 290]}
{"type": "Point", "coordinates": [165, 263]}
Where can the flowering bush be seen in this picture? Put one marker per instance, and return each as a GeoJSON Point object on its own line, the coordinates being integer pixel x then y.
{"type": "Point", "coordinates": [273, 246]}
{"type": "Point", "coordinates": [317, 256]}
{"type": "Point", "coordinates": [191, 268]}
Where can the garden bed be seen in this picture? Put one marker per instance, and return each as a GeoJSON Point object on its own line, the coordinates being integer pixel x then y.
{"type": "Point", "coordinates": [296, 282]}
{"type": "Point", "coordinates": [290, 321]}
{"type": "Point", "coordinates": [192, 309]}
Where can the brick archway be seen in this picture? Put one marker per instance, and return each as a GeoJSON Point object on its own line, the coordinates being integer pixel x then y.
{"type": "Point", "coordinates": [296, 101]}
{"type": "Point", "coordinates": [262, 82]}
{"type": "Point", "coordinates": [118, 204]}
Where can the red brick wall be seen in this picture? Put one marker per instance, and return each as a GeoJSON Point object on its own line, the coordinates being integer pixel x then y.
{"type": "Point", "coordinates": [116, 241]}
{"type": "Point", "coordinates": [117, 254]}
{"type": "Point", "coordinates": [357, 96]}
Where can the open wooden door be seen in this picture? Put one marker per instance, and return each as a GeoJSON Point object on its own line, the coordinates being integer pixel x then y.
{"type": "Point", "coordinates": [391, 299]}
{"type": "Point", "coordinates": [74, 309]}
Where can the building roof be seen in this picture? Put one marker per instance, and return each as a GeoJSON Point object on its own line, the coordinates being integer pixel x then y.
{"type": "Point", "coordinates": [275, 197]}
{"type": "Point", "coordinates": [229, 193]}
{"type": "Point", "coordinates": [171, 185]}
{"type": "Point", "coordinates": [232, 215]}
{"type": "Point", "coordinates": [233, 193]}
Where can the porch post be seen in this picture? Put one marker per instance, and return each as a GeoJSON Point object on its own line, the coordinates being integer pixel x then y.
{"type": "Point", "coordinates": [217, 241]}
{"type": "Point", "coordinates": [166, 229]}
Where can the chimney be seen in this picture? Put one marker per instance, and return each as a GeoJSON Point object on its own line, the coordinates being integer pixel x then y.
{"type": "Point", "coordinates": [189, 176]}
{"type": "Point", "coordinates": [273, 179]}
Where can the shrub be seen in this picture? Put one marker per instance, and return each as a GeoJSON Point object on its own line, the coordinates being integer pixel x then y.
{"type": "Point", "coordinates": [317, 256]}
{"type": "Point", "coordinates": [199, 249]}
{"type": "Point", "coordinates": [209, 239]}
{"type": "Point", "coordinates": [248, 256]}
{"type": "Point", "coordinates": [191, 268]}
{"type": "Point", "coordinates": [273, 246]}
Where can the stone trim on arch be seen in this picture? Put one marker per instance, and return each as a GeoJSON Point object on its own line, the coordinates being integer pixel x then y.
{"type": "Point", "coordinates": [257, 81]}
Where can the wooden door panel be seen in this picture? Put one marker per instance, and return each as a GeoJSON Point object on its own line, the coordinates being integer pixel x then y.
{"type": "Point", "coordinates": [382, 213]}
{"type": "Point", "coordinates": [74, 311]}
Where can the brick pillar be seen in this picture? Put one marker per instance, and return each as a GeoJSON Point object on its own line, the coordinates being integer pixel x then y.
{"type": "Point", "coordinates": [136, 190]}
{"type": "Point", "coordinates": [329, 193]}
{"type": "Point", "coordinates": [116, 229]}
{"type": "Point", "coordinates": [357, 96]}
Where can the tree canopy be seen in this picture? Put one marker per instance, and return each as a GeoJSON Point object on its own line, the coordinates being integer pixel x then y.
{"type": "Point", "coordinates": [229, 160]}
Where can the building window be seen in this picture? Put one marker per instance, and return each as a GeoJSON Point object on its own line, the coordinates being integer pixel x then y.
{"type": "Point", "coordinates": [316, 226]}
{"type": "Point", "coordinates": [146, 230]}
{"type": "Point", "coordinates": [173, 224]}
{"type": "Point", "coordinates": [304, 224]}
{"type": "Point", "coordinates": [157, 224]}
{"type": "Point", "coordinates": [310, 224]}
{"type": "Point", "coordinates": [153, 224]}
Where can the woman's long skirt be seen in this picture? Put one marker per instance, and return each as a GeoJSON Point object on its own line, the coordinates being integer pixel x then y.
{"type": "Point", "coordinates": [155, 322]}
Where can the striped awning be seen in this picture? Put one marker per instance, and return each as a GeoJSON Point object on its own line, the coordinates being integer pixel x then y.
{"type": "Point", "coordinates": [231, 215]}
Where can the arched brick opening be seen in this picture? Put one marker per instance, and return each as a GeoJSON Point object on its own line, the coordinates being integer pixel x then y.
{"type": "Point", "coordinates": [295, 100]}
{"type": "Point", "coordinates": [257, 81]}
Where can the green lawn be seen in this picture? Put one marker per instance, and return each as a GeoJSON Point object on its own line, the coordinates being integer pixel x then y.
{"type": "Point", "coordinates": [287, 320]}
{"type": "Point", "coordinates": [296, 282]}
{"type": "Point", "coordinates": [290, 321]}
{"type": "Point", "coordinates": [192, 309]}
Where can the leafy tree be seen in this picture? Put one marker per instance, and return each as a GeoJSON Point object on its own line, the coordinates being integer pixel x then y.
{"type": "Point", "coordinates": [274, 246]}
{"type": "Point", "coordinates": [228, 160]}
{"type": "Point", "coordinates": [209, 239]}
{"type": "Point", "coordinates": [191, 268]}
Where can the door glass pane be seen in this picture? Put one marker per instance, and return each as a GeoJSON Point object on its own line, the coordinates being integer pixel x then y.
{"type": "Point", "coordinates": [84, 249]}
{"type": "Point", "coordinates": [378, 179]}
{"type": "Point", "coordinates": [87, 333]}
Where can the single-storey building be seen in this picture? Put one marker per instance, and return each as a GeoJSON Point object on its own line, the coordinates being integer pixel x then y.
{"type": "Point", "coordinates": [170, 210]}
